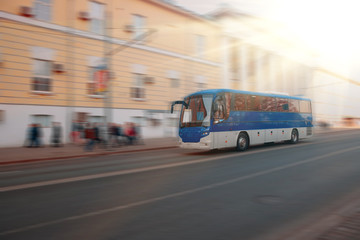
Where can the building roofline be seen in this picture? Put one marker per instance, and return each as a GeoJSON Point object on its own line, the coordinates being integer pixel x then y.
{"type": "Point", "coordinates": [181, 10]}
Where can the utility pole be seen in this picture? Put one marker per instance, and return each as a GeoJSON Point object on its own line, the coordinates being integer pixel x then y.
{"type": "Point", "coordinates": [108, 53]}
{"type": "Point", "coordinates": [70, 72]}
{"type": "Point", "coordinates": [107, 80]}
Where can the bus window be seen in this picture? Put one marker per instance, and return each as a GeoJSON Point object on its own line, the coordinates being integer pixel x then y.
{"type": "Point", "coordinates": [198, 111]}
{"type": "Point", "coordinates": [187, 116]}
{"type": "Point", "coordinates": [239, 102]}
{"type": "Point", "coordinates": [228, 104]}
{"type": "Point", "coordinates": [282, 105]}
{"type": "Point", "coordinates": [221, 108]}
{"type": "Point", "coordinates": [294, 105]}
{"type": "Point", "coordinates": [253, 103]}
{"type": "Point", "coordinates": [305, 107]}
{"type": "Point", "coordinates": [268, 104]}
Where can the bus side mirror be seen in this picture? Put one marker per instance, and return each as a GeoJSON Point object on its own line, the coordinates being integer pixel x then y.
{"type": "Point", "coordinates": [178, 102]}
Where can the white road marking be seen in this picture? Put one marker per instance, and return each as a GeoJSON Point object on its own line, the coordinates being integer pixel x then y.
{"type": "Point", "coordinates": [10, 172]}
{"type": "Point", "coordinates": [156, 199]}
{"type": "Point", "coordinates": [136, 170]}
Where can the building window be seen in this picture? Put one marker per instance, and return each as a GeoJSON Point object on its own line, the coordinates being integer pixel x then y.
{"type": "Point", "coordinates": [97, 17]}
{"type": "Point", "coordinates": [174, 82]}
{"type": "Point", "coordinates": [139, 26]}
{"type": "Point", "coordinates": [96, 119]}
{"type": "Point", "coordinates": [200, 82]}
{"type": "Point", "coordinates": [200, 46]}
{"type": "Point", "coordinates": [139, 121]}
{"type": "Point", "coordinates": [174, 78]}
{"type": "Point", "coordinates": [42, 76]}
{"type": "Point", "coordinates": [97, 84]}
{"type": "Point", "coordinates": [42, 119]}
{"type": "Point", "coordinates": [42, 9]}
{"type": "Point", "coordinates": [138, 89]}
{"type": "Point", "coordinates": [200, 86]}
{"type": "Point", "coordinates": [2, 116]}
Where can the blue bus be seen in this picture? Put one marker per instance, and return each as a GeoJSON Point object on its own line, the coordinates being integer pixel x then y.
{"type": "Point", "coordinates": [225, 118]}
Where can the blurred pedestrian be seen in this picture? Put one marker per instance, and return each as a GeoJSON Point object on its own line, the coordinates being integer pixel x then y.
{"type": "Point", "coordinates": [130, 133]}
{"type": "Point", "coordinates": [138, 136]}
{"type": "Point", "coordinates": [114, 134]}
{"type": "Point", "coordinates": [40, 135]}
{"type": "Point", "coordinates": [34, 136]}
{"type": "Point", "coordinates": [75, 133]}
{"type": "Point", "coordinates": [99, 138]}
{"type": "Point", "coordinates": [119, 133]}
{"type": "Point", "coordinates": [89, 137]}
{"type": "Point", "coordinates": [28, 135]}
{"type": "Point", "coordinates": [56, 134]}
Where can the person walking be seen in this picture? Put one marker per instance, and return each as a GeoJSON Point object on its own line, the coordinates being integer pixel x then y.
{"type": "Point", "coordinates": [130, 133]}
{"type": "Point", "coordinates": [89, 137]}
{"type": "Point", "coordinates": [34, 136]}
{"type": "Point", "coordinates": [28, 136]}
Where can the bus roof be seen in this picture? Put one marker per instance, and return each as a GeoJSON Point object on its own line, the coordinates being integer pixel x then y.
{"type": "Point", "coordinates": [277, 95]}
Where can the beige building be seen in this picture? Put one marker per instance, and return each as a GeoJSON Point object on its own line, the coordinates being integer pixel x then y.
{"type": "Point", "coordinates": [86, 60]}
{"type": "Point", "coordinates": [127, 60]}
{"type": "Point", "coordinates": [261, 55]}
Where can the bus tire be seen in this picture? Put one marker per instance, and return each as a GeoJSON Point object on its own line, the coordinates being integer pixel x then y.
{"type": "Point", "coordinates": [242, 142]}
{"type": "Point", "coordinates": [294, 136]}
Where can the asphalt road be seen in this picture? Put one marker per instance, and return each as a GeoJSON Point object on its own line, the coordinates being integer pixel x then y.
{"type": "Point", "coordinates": [268, 192]}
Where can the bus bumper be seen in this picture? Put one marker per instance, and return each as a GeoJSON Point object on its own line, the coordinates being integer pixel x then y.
{"type": "Point", "coordinates": [204, 144]}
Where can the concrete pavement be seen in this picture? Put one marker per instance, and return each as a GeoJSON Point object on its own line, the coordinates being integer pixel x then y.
{"type": "Point", "coordinates": [14, 155]}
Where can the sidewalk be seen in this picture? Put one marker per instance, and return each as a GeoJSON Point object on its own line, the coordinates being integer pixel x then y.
{"type": "Point", "coordinates": [15, 155]}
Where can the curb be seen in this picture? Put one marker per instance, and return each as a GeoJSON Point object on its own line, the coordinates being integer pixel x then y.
{"type": "Point", "coordinates": [84, 155]}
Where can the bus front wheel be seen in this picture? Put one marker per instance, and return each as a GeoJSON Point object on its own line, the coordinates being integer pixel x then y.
{"type": "Point", "coordinates": [242, 142]}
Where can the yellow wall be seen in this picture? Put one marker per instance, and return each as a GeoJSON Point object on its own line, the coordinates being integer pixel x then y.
{"type": "Point", "coordinates": [175, 34]}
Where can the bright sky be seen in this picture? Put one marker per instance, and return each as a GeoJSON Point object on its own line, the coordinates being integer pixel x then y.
{"type": "Point", "coordinates": [328, 26]}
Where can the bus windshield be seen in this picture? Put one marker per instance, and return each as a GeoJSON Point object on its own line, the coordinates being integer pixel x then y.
{"type": "Point", "coordinates": [198, 112]}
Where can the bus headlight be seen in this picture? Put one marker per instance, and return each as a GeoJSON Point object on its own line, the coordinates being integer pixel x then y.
{"type": "Point", "coordinates": [203, 134]}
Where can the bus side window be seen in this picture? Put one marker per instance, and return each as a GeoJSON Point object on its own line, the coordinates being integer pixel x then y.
{"type": "Point", "coordinates": [305, 107]}
{"type": "Point", "coordinates": [294, 105]}
{"type": "Point", "coordinates": [221, 108]}
{"type": "Point", "coordinates": [239, 102]}
{"type": "Point", "coordinates": [268, 104]}
{"type": "Point", "coordinates": [282, 105]}
{"type": "Point", "coordinates": [253, 103]}
{"type": "Point", "coordinates": [228, 105]}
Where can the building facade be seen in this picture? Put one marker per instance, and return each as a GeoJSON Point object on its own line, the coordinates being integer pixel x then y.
{"type": "Point", "coordinates": [101, 61]}
{"type": "Point", "coordinates": [117, 61]}
{"type": "Point", "coordinates": [260, 55]}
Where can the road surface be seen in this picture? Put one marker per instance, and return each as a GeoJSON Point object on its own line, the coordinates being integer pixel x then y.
{"type": "Point", "coordinates": [268, 192]}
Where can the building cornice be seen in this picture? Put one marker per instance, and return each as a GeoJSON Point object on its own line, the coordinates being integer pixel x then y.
{"type": "Point", "coordinates": [80, 33]}
{"type": "Point", "coordinates": [183, 11]}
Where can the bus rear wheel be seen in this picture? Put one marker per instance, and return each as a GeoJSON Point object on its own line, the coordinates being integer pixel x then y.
{"type": "Point", "coordinates": [294, 136]}
{"type": "Point", "coordinates": [242, 142]}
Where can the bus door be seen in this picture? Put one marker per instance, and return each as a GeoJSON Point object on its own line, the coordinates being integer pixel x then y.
{"type": "Point", "coordinates": [222, 128]}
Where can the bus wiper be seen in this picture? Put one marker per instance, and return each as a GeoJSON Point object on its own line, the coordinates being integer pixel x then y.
{"type": "Point", "coordinates": [178, 102]}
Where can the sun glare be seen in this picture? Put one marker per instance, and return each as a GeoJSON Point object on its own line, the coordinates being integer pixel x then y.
{"type": "Point", "coordinates": [328, 27]}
